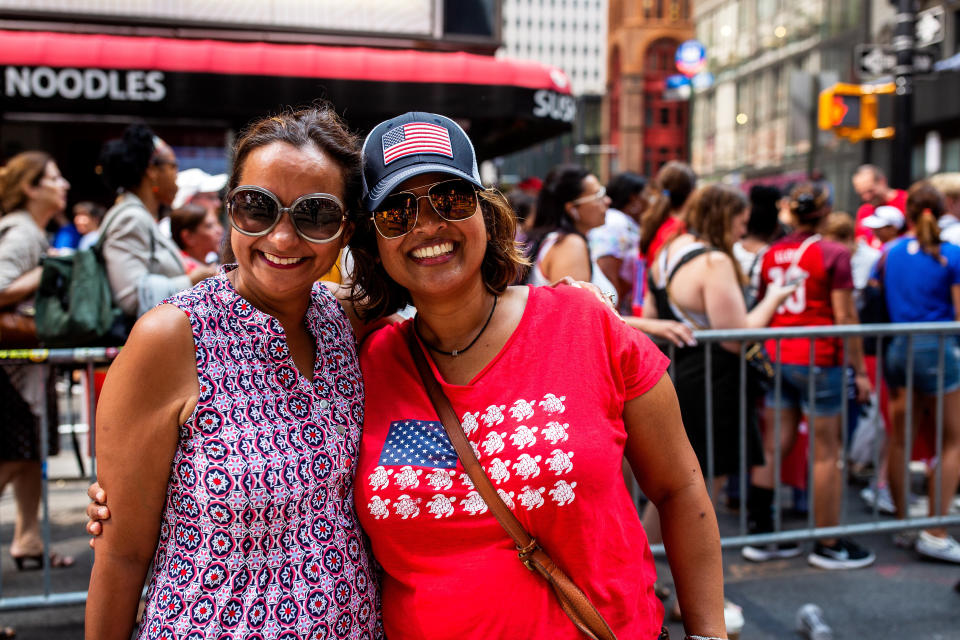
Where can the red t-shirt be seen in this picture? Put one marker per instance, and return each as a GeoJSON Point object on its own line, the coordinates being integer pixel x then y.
{"type": "Point", "coordinates": [826, 267]}
{"type": "Point", "coordinates": [545, 417]}
{"type": "Point", "coordinates": [899, 201]}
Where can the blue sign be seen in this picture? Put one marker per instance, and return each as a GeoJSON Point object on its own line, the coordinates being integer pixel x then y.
{"type": "Point", "coordinates": [676, 81]}
{"type": "Point", "coordinates": [691, 58]}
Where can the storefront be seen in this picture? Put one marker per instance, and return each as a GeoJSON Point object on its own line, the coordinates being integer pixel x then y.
{"type": "Point", "coordinates": [66, 93]}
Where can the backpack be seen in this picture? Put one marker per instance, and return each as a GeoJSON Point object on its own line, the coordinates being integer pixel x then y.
{"type": "Point", "coordinates": [74, 302]}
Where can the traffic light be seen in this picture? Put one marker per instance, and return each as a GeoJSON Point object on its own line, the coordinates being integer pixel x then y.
{"type": "Point", "coordinates": [850, 110]}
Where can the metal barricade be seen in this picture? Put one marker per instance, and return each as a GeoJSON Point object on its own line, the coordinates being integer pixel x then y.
{"type": "Point", "coordinates": [846, 333]}
{"type": "Point", "coordinates": [72, 358]}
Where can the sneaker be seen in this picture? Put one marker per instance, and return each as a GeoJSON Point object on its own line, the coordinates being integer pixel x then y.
{"type": "Point", "coordinates": [879, 497]}
{"type": "Point", "coordinates": [930, 546]}
{"type": "Point", "coordinates": [772, 551]}
{"type": "Point", "coordinates": [733, 618]}
{"type": "Point", "coordinates": [844, 554]}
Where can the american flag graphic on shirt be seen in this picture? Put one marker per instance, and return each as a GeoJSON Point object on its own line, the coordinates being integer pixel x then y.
{"type": "Point", "coordinates": [415, 137]}
{"type": "Point", "coordinates": [418, 443]}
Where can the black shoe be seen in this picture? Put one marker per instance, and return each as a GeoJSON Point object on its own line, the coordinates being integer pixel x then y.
{"type": "Point", "coordinates": [844, 554]}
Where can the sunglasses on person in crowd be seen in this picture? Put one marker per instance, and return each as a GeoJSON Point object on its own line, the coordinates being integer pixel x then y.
{"type": "Point", "coordinates": [453, 200]}
{"type": "Point", "coordinates": [255, 211]}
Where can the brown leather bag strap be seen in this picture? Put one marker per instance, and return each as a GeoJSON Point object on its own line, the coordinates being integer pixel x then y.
{"type": "Point", "coordinates": [572, 600]}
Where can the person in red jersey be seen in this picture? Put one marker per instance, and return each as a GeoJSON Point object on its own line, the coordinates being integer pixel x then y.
{"type": "Point", "coordinates": [824, 296]}
{"type": "Point", "coordinates": [871, 185]}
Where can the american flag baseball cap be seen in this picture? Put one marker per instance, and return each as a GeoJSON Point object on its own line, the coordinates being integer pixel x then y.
{"type": "Point", "coordinates": [410, 145]}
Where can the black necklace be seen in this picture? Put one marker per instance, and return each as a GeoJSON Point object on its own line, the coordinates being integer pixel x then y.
{"type": "Point", "coordinates": [457, 352]}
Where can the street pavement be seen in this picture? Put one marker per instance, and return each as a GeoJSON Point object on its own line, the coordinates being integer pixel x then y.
{"type": "Point", "coordinates": [900, 597]}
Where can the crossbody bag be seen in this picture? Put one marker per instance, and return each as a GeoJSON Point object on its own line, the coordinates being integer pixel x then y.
{"type": "Point", "coordinates": [572, 600]}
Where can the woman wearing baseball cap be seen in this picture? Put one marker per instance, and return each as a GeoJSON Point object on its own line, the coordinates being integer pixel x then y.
{"type": "Point", "coordinates": [549, 400]}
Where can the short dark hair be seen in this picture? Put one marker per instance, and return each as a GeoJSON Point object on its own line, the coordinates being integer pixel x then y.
{"type": "Point", "coordinates": [376, 295]}
{"type": "Point", "coordinates": [624, 186]}
{"type": "Point", "coordinates": [763, 222]}
{"type": "Point", "coordinates": [124, 160]}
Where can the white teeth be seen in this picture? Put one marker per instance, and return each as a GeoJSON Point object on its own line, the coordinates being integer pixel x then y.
{"type": "Point", "coordinates": [433, 250]}
{"type": "Point", "coordinates": [278, 260]}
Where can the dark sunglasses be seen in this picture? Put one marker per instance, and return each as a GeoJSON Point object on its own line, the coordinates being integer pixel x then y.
{"type": "Point", "coordinates": [255, 211]}
{"type": "Point", "coordinates": [453, 200]}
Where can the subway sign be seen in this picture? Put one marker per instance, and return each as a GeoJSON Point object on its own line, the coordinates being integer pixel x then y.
{"type": "Point", "coordinates": [117, 85]}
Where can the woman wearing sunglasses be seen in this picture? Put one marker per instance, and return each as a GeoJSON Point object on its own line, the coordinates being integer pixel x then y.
{"type": "Point", "coordinates": [229, 425]}
{"type": "Point", "coordinates": [552, 389]}
{"type": "Point", "coordinates": [443, 553]}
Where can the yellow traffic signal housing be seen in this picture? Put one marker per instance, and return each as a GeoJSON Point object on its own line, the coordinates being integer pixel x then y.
{"type": "Point", "coordinates": [850, 110]}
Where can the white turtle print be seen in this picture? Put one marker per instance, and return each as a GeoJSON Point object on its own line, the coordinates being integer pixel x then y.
{"type": "Point", "coordinates": [559, 462]}
{"type": "Point", "coordinates": [407, 478]}
{"type": "Point", "coordinates": [380, 478]}
{"type": "Point", "coordinates": [507, 498]}
{"type": "Point", "coordinates": [441, 506]}
{"type": "Point", "coordinates": [526, 466]}
{"type": "Point", "coordinates": [562, 493]}
{"type": "Point", "coordinates": [476, 449]}
{"type": "Point", "coordinates": [407, 507]}
{"type": "Point", "coordinates": [493, 415]}
{"type": "Point", "coordinates": [499, 470]}
{"type": "Point", "coordinates": [552, 404]}
{"type": "Point", "coordinates": [469, 422]}
{"type": "Point", "coordinates": [466, 480]}
{"type": "Point", "coordinates": [531, 498]}
{"type": "Point", "coordinates": [440, 479]}
{"type": "Point", "coordinates": [379, 508]}
{"type": "Point", "coordinates": [556, 432]}
{"type": "Point", "coordinates": [522, 410]}
{"type": "Point", "coordinates": [474, 504]}
{"type": "Point", "coordinates": [523, 437]}
{"type": "Point", "coordinates": [493, 443]}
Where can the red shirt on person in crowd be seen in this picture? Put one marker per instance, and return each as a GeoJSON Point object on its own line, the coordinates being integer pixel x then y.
{"type": "Point", "coordinates": [899, 200]}
{"type": "Point", "coordinates": [672, 226]}
{"type": "Point", "coordinates": [545, 417]}
{"type": "Point", "coordinates": [822, 268]}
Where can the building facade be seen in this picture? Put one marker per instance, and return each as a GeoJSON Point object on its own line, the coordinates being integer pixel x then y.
{"type": "Point", "coordinates": [570, 35]}
{"type": "Point", "coordinates": [644, 129]}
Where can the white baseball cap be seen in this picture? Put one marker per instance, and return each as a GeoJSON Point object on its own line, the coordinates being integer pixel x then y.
{"type": "Point", "coordinates": [884, 216]}
{"type": "Point", "coordinates": [190, 182]}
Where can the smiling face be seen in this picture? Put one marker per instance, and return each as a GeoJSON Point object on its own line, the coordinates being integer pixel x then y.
{"type": "Point", "coordinates": [437, 257]}
{"type": "Point", "coordinates": [281, 265]}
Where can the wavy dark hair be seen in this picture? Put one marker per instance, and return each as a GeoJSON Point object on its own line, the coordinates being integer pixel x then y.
{"type": "Point", "coordinates": [318, 126]}
{"type": "Point", "coordinates": [673, 185]}
{"type": "Point", "coordinates": [924, 206]}
{"type": "Point", "coordinates": [376, 295]}
{"type": "Point", "coordinates": [124, 160]}
{"type": "Point", "coordinates": [26, 167]}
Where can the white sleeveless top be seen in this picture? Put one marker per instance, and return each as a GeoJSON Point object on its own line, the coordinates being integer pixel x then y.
{"type": "Point", "coordinates": [597, 278]}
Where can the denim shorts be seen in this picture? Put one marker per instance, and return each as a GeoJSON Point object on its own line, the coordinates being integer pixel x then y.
{"type": "Point", "coordinates": [925, 361]}
{"type": "Point", "coordinates": [828, 387]}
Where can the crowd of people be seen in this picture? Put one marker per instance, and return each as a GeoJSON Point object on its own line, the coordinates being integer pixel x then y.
{"type": "Point", "coordinates": [287, 454]}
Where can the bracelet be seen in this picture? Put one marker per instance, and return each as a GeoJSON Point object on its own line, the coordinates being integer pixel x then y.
{"type": "Point", "coordinates": [688, 637]}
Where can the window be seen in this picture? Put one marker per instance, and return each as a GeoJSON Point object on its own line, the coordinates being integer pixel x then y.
{"type": "Point", "coordinates": [664, 116]}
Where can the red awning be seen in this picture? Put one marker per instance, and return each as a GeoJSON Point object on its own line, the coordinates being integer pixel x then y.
{"type": "Point", "coordinates": [59, 50]}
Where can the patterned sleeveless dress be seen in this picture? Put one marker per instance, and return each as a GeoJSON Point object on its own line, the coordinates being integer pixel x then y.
{"type": "Point", "coordinates": [259, 538]}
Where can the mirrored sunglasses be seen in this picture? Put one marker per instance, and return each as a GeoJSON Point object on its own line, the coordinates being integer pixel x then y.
{"type": "Point", "coordinates": [453, 200]}
{"type": "Point", "coordinates": [255, 211]}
